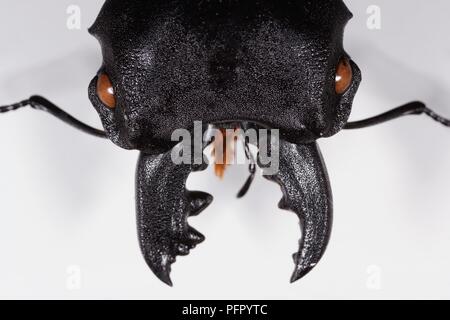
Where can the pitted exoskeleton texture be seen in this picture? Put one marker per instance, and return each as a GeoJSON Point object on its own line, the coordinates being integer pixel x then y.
{"type": "Point", "coordinates": [168, 64]}
{"type": "Point", "coordinates": [270, 64]}
{"type": "Point", "coordinates": [175, 62]}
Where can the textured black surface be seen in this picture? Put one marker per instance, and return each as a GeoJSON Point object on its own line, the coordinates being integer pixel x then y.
{"type": "Point", "coordinates": [306, 191]}
{"type": "Point", "coordinates": [163, 207]}
{"type": "Point", "coordinates": [269, 63]}
{"type": "Point", "coordinates": [174, 62]}
{"type": "Point", "coordinates": [264, 64]}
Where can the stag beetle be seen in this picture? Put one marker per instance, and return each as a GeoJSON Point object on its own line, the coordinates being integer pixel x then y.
{"type": "Point", "coordinates": [228, 63]}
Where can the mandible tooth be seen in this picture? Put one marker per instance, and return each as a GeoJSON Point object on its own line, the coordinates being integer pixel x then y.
{"type": "Point", "coordinates": [199, 201]}
{"type": "Point", "coordinates": [283, 204]}
{"type": "Point", "coordinates": [195, 237]}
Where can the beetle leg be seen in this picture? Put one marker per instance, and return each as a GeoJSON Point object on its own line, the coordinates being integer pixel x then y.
{"type": "Point", "coordinates": [304, 182]}
{"type": "Point", "coordinates": [163, 207]}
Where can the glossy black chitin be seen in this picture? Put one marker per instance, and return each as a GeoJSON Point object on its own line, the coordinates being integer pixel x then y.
{"type": "Point", "coordinates": [263, 64]}
{"type": "Point", "coordinates": [266, 62]}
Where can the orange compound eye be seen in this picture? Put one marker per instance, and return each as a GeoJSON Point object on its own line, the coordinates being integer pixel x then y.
{"type": "Point", "coordinates": [344, 76]}
{"type": "Point", "coordinates": [105, 91]}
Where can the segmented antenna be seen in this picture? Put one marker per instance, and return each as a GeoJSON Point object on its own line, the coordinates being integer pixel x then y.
{"type": "Point", "coordinates": [13, 107]}
{"type": "Point", "coordinates": [433, 115]}
{"type": "Point", "coordinates": [42, 104]}
{"type": "Point", "coordinates": [412, 108]}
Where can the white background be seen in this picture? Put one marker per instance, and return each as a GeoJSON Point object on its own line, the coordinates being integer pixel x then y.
{"type": "Point", "coordinates": [67, 199]}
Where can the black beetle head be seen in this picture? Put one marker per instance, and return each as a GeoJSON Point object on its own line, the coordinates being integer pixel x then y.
{"type": "Point", "coordinates": [173, 62]}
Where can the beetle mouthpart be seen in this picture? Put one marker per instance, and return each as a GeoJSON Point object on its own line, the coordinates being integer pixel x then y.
{"type": "Point", "coordinates": [163, 208]}
{"type": "Point", "coordinates": [304, 182]}
{"type": "Point", "coordinates": [224, 147]}
{"type": "Point", "coordinates": [199, 201]}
